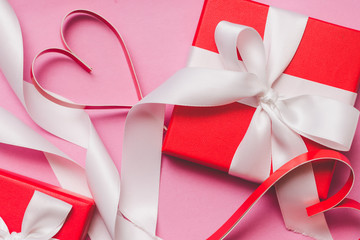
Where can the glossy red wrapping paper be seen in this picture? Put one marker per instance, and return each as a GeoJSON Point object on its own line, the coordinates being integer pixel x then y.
{"type": "Point", "coordinates": [17, 191]}
{"type": "Point", "coordinates": [328, 54]}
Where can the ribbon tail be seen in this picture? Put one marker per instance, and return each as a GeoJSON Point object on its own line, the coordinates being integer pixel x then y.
{"type": "Point", "coordinates": [129, 230]}
{"type": "Point", "coordinates": [252, 159]}
{"type": "Point", "coordinates": [97, 228]}
{"type": "Point", "coordinates": [11, 50]}
{"type": "Point", "coordinates": [297, 190]}
{"type": "Point", "coordinates": [140, 171]}
{"type": "Point", "coordinates": [101, 171]}
{"type": "Point", "coordinates": [337, 200]}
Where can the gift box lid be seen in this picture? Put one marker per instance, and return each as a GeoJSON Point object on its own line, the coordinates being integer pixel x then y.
{"type": "Point", "coordinates": [17, 191]}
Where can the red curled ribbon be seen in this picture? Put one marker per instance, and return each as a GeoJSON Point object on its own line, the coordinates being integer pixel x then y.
{"type": "Point", "coordinates": [338, 200]}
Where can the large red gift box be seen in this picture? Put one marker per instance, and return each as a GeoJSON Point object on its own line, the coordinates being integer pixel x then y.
{"type": "Point", "coordinates": [17, 191]}
{"type": "Point", "coordinates": [328, 54]}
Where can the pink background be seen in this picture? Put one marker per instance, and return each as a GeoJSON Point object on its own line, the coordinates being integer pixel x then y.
{"type": "Point", "coordinates": [194, 200]}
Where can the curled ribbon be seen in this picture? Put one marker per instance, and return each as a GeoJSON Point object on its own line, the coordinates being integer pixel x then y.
{"type": "Point", "coordinates": [338, 200]}
{"type": "Point", "coordinates": [43, 218]}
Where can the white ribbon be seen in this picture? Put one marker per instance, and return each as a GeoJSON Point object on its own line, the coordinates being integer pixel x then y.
{"type": "Point", "coordinates": [43, 218]}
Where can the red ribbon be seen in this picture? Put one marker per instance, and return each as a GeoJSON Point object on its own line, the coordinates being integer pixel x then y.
{"type": "Point", "coordinates": [338, 200]}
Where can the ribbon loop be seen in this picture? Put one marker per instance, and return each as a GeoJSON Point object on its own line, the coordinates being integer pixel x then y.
{"type": "Point", "coordinates": [229, 37]}
{"type": "Point", "coordinates": [323, 120]}
{"type": "Point", "coordinates": [43, 218]}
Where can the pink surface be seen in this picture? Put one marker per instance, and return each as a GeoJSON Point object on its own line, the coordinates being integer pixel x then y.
{"type": "Point", "coordinates": [194, 200]}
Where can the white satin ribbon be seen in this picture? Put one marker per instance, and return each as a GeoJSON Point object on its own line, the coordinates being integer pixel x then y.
{"type": "Point", "coordinates": [43, 218]}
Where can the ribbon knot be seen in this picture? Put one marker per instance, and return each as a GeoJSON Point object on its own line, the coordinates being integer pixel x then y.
{"type": "Point", "coordinates": [269, 98]}
{"type": "Point", "coordinates": [43, 218]}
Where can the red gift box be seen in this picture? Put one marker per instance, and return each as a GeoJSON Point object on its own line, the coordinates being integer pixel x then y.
{"type": "Point", "coordinates": [17, 191]}
{"type": "Point", "coordinates": [328, 54]}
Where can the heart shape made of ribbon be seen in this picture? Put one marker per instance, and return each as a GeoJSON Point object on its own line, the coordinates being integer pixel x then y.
{"type": "Point", "coordinates": [70, 53]}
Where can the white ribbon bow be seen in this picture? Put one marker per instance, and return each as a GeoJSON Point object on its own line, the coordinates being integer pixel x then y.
{"type": "Point", "coordinates": [43, 218]}
{"type": "Point", "coordinates": [278, 122]}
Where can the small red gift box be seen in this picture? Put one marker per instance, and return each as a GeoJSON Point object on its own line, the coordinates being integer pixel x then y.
{"type": "Point", "coordinates": [328, 55]}
{"type": "Point", "coordinates": [17, 191]}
